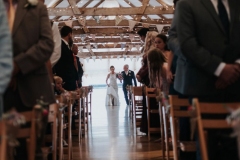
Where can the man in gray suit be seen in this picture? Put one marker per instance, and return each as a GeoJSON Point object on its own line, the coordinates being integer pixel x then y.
{"type": "Point", "coordinates": [209, 38]}
{"type": "Point", "coordinates": [32, 48]}
{"type": "Point", "coordinates": [208, 59]}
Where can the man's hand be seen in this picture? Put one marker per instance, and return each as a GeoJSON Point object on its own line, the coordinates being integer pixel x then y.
{"type": "Point", "coordinates": [229, 75]}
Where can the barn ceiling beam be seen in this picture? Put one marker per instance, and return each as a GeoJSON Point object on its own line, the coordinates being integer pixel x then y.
{"type": "Point", "coordinates": [143, 9]}
{"type": "Point", "coordinates": [111, 23]}
{"type": "Point", "coordinates": [110, 11]}
{"type": "Point", "coordinates": [74, 7]}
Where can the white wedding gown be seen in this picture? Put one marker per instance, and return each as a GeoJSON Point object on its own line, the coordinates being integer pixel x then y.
{"type": "Point", "coordinates": [112, 91]}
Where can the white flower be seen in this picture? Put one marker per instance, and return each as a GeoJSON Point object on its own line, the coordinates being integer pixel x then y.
{"type": "Point", "coordinates": [31, 3]}
{"type": "Point", "coordinates": [129, 71]}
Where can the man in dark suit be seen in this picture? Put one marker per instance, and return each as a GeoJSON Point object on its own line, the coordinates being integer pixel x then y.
{"type": "Point", "coordinates": [128, 77]}
{"type": "Point", "coordinates": [65, 68]}
{"type": "Point", "coordinates": [32, 48]}
{"type": "Point", "coordinates": [208, 65]}
{"type": "Point", "coordinates": [77, 65]}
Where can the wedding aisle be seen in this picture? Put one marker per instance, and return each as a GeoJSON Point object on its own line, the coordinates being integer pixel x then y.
{"type": "Point", "coordinates": [111, 135]}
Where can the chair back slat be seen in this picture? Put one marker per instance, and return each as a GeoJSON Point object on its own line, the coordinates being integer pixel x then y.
{"type": "Point", "coordinates": [28, 115]}
{"type": "Point", "coordinates": [215, 124]}
{"type": "Point", "coordinates": [217, 108]}
{"type": "Point", "coordinates": [137, 91]}
{"type": "Point", "coordinates": [178, 102]}
{"type": "Point", "coordinates": [24, 133]}
{"type": "Point", "coordinates": [182, 113]}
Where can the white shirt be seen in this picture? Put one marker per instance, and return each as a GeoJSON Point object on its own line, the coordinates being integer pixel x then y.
{"type": "Point", "coordinates": [66, 43]}
{"type": "Point", "coordinates": [126, 72]}
{"type": "Point", "coordinates": [226, 5]}
{"type": "Point", "coordinates": [57, 45]}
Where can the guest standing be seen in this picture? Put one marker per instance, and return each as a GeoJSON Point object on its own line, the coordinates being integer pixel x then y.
{"type": "Point", "coordinates": [33, 46]}
{"type": "Point", "coordinates": [208, 34]}
{"type": "Point", "coordinates": [5, 54]}
{"type": "Point", "coordinates": [65, 68]}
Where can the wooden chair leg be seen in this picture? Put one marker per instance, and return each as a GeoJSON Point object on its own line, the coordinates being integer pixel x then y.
{"type": "Point", "coordinates": [174, 138]}
{"type": "Point", "coordinates": [70, 132]}
{"type": "Point", "coordinates": [61, 136]}
{"type": "Point", "coordinates": [166, 127]}
{"type": "Point", "coordinates": [162, 132]}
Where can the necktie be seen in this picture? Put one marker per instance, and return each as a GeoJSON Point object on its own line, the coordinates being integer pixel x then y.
{"type": "Point", "coordinates": [223, 16]}
{"type": "Point", "coordinates": [11, 15]}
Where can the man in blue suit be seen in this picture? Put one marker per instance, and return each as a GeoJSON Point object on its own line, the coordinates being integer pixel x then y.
{"type": "Point", "coordinates": [128, 77]}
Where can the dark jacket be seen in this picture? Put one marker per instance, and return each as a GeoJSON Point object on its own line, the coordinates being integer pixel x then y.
{"type": "Point", "coordinates": [127, 79]}
{"type": "Point", "coordinates": [65, 68]}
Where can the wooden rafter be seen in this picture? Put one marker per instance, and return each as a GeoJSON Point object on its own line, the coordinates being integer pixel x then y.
{"type": "Point", "coordinates": [74, 7]}
{"type": "Point", "coordinates": [110, 11]}
{"type": "Point", "coordinates": [162, 3]}
{"type": "Point", "coordinates": [98, 4]}
{"type": "Point", "coordinates": [56, 3]}
{"type": "Point", "coordinates": [85, 5]}
{"type": "Point", "coordinates": [143, 8]}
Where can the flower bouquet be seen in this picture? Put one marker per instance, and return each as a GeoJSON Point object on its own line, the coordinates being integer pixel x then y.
{"type": "Point", "coordinates": [119, 76]}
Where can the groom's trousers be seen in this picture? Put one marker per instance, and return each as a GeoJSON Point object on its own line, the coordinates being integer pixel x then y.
{"type": "Point", "coordinates": [125, 94]}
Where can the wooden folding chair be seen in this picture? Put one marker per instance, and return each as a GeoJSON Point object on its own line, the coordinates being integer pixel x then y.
{"type": "Point", "coordinates": [137, 106]}
{"type": "Point", "coordinates": [150, 93]}
{"type": "Point", "coordinates": [175, 113]}
{"type": "Point", "coordinates": [30, 133]}
{"type": "Point", "coordinates": [3, 144]}
{"type": "Point", "coordinates": [205, 124]}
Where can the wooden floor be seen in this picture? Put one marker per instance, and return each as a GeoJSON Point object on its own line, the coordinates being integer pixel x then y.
{"type": "Point", "coordinates": [111, 135]}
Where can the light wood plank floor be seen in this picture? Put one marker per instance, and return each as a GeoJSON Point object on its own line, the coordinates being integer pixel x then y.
{"type": "Point", "coordinates": [111, 135]}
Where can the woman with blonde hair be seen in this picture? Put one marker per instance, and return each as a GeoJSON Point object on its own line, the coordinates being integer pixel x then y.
{"type": "Point", "coordinates": [142, 75]}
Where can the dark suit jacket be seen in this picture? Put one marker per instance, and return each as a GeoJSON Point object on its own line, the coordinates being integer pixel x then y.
{"type": "Point", "coordinates": [33, 46]}
{"type": "Point", "coordinates": [65, 68]}
{"type": "Point", "coordinates": [127, 79]}
{"type": "Point", "coordinates": [204, 46]}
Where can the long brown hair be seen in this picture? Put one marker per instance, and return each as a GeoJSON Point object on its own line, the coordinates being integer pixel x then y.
{"type": "Point", "coordinates": [156, 59]}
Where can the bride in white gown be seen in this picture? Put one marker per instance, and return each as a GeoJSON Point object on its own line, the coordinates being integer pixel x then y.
{"type": "Point", "coordinates": [112, 98]}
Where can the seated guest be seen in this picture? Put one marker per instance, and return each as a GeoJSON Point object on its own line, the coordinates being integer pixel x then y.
{"type": "Point", "coordinates": [58, 89]}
